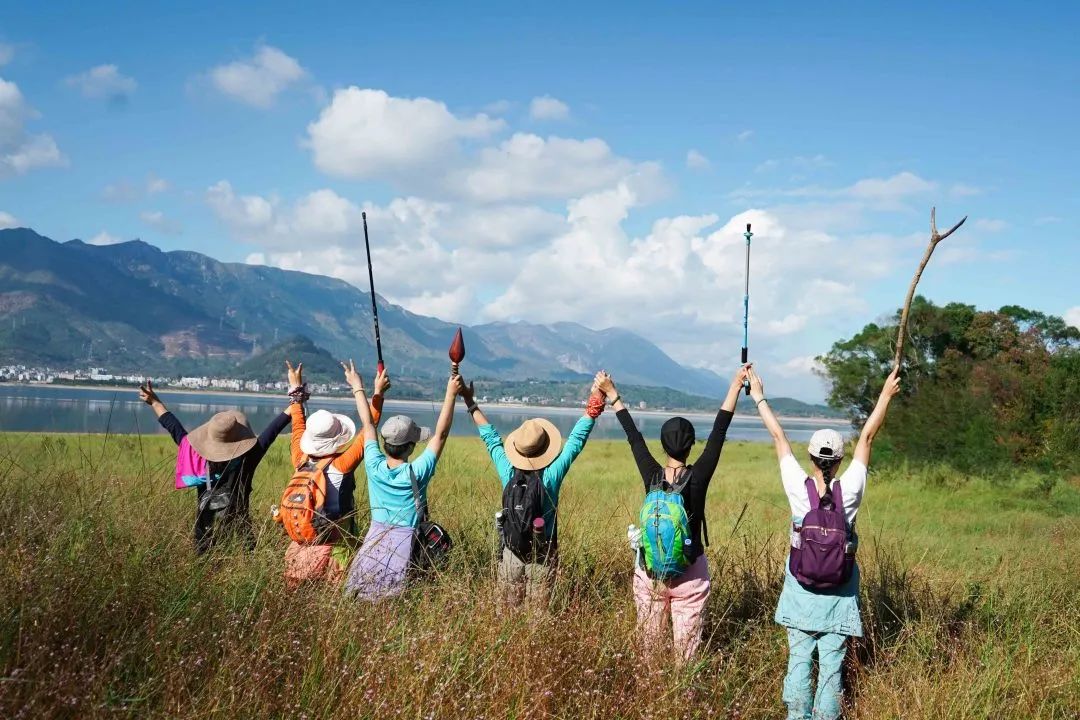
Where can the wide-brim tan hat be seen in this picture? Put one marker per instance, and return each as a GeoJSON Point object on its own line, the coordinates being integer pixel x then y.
{"type": "Point", "coordinates": [325, 433]}
{"type": "Point", "coordinates": [224, 437]}
{"type": "Point", "coordinates": [534, 445]}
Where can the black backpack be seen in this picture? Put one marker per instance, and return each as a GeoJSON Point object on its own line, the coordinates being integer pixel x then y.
{"type": "Point", "coordinates": [431, 542]}
{"type": "Point", "coordinates": [522, 502]}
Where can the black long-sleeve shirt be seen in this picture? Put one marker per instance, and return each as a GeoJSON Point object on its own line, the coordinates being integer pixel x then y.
{"type": "Point", "coordinates": [249, 461]}
{"type": "Point", "coordinates": [701, 472]}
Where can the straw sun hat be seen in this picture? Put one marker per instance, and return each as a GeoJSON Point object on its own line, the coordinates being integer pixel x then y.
{"type": "Point", "coordinates": [223, 437]}
{"type": "Point", "coordinates": [534, 445]}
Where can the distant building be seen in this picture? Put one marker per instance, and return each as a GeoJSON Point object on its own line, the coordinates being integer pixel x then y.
{"type": "Point", "coordinates": [642, 405]}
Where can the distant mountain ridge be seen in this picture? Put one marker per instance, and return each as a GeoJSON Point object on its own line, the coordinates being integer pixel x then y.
{"type": "Point", "coordinates": [131, 306]}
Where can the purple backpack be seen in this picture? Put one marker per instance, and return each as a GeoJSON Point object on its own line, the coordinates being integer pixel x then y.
{"type": "Point", "coordinates": [823, 561]}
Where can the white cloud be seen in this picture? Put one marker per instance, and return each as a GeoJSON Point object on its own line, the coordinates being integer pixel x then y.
{"type": "Point", "coordinates": [155, 184]}
{"type": "Point", "coordinates": [499, 107]}
{"type": "Point", "coordinates": [1047, 220]}
{"type": "Point", "coordinates": [799, 365]}
{"type": "Point", "coordinates": [548, 108]}
{"type": "Point", "coordinates": [158, 221]}
{"type": "Point", "coordinates": [696, 161]}
{"type": "Point", "coordinates": [991, 225]}
{"type": "Point", "coordinates": [250, 213]}
{"type": "Point", "coordinates": [20, 151]}
{"type": "Point", "coordinates": [744, 135]}
{"type": "Point", "coordinates": [960, 190]}
{"type": "Point", "coordinates": [529, 166]}
{"type": "Point", "coordinates": [7, 52]}
{"type": "Point", "coordinates": [103, 82]}
{"type": "Point", "coordinates": [125, 191]}
{"type": "Point", "coordinates": [684, 265]}
{"type": "Point", "coordinates": [104, 238]}
{"type": "Point", "coordinates": [891, 193]}
{"type": "Point", "coordinates": [258, 80]}
{"type": "Point", "coordinates": [890, 190]}
{"type": "Point", "coordinates": [7, 220]}
{"type": "Point", "coordinates": [1072, 316]}
{"type": "Point", "coordinates": [369, 134]}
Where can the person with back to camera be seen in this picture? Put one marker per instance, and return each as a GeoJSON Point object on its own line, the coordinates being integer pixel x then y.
{"type": "Point", "coordinates": [672, 575]}
{"type": "Point", "coordinates": [819, 604]}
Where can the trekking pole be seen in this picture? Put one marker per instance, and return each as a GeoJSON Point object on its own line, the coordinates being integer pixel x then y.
{"type": "Point", "coordinates": [746, 307]}
{"type": "Point", "coordinates": [374, 306]}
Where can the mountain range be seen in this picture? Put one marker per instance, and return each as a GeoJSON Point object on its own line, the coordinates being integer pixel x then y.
{"type": "Point", "coordinates": [132, 307]}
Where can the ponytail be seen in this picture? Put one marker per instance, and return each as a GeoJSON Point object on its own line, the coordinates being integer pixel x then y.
{"type": "Point", "coordinates": [827, 466]}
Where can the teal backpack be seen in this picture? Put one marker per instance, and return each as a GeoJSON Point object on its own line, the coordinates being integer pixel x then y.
{"type": "Point", "coordinates": [665, 526]}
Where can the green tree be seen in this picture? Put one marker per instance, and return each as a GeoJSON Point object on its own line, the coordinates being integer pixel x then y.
{"type": "Point", "coordinates": [981, 388]}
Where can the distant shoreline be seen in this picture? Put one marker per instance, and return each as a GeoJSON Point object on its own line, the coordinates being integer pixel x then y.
{"type": "Point", "coordinates": [419, 403]}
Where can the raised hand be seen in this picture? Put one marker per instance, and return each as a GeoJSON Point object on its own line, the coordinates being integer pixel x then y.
{"type": "Point", "coordinates": [352, 377]}
{"type": "Point", "coordinates": [382, 382]}
{"type": "Point", "coordinates": [452, 385]}
{"type": "Point", "coordinates": [742, 375]}
{"type": "Point", "coordinates": [296, 374]}
{"type": "Point", "coordinates": [757, 388]}
{"type": "Point", "coordinates": [892, 384]}
{"type": "Point", "coordinates": [605, 385]}
{"type": "Point", "coordinates": [465, 391]}
{"type": "Point", "coordinates": [147, 394]}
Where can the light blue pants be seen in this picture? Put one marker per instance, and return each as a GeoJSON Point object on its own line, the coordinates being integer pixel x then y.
{"type": "Point", "coordinates": [798, 692]}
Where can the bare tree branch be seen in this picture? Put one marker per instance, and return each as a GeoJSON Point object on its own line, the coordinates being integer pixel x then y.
{"type": "Point", "coordinates": [935, 238]}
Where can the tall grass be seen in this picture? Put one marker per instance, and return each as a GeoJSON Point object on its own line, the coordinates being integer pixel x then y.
{"type": "Point", "coordinates": [969, 597]}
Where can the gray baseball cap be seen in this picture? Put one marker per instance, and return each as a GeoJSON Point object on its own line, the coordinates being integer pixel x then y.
{"type": "Point", "coordinates": [401, 430]}
{"type": "Point", "coordinates": [826, 444]}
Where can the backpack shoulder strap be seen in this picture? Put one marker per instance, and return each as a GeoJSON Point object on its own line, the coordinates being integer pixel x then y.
{"type": "Point", "coordinates": [418, 499]}
{"type": "Point", "coordinates": [838, 501]}
{"type": "Point", "coordinates": [683, 476]}
{"type": "Point", "coordinates": [812, 493]}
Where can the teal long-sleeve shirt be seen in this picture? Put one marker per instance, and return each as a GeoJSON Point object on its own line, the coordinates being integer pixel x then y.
{"type": "Point", "coordinates": [554, 474]}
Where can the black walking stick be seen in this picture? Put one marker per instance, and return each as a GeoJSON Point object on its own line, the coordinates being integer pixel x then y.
{"type": "Point", "coordinates": [374, 306]}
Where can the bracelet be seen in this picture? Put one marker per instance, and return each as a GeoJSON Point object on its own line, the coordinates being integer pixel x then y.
{"type": "Point", "coordinates": [357, 390]}
{"type": "Point", "coordinates": [617, 399]}
{"type": "Point", "coordinates": [472, 408]}
{"type": "Point", "coordinates": [758, 403]}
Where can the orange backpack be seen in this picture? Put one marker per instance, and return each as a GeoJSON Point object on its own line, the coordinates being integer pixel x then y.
{"type": "Point", "coordinates": [303, 505]}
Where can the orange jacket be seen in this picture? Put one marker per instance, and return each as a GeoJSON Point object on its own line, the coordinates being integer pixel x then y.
{"type": "Point", "coordinates": [347, 460]}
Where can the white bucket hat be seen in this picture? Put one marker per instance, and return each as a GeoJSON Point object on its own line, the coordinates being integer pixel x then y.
{"type": "Point", "coordinates": [826, 444]}
{"type": "Point", "coordinates": [325, 433]}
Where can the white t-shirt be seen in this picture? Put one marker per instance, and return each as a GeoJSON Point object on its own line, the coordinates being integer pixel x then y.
{"type": "Point", "coordinates": [852, 483]}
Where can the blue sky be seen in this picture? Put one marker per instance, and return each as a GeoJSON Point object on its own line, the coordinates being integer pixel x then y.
{"type": "Point", "coordinates": [557, 162]}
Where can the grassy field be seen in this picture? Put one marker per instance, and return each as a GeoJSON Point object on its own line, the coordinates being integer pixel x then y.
{"type": "Point", "coordinates": [970, 599]}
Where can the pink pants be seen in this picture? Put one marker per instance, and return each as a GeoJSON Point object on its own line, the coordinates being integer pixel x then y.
{"type": "Point", "coordinates": [685, 597]}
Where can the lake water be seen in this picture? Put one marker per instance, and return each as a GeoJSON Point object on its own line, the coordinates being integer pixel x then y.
{"type": "Point", "coordinates": [51, 408]}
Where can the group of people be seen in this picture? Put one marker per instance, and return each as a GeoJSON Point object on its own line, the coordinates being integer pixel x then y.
{"type": "Point", "coordinates": [818, 605]}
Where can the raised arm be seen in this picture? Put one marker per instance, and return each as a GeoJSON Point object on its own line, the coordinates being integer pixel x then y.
{"type": "Point", "coordinates": [757, 393]}
{"type": "Point", "coordinates": [446, 417]}
{"type": "Point", "coordinates": [492, 440]}
{"type": "Point", "coordinates": [367, 424]}
{"type": "Point", "coordinates": [296, 411]}
{"type": "Point", "coordinates": [170, 422]}
{"type": "Point", "coordinates": [877, 417]}
{"type": "Point", "coordinates": [354, 455]}
{"type": "Point", "coordinates": [646, 463]}
{"type": "Point", "coordinates": [148, 396]}
{"type": "Point", "coordinates": [468, 394]}
{"type": "Point", "coordinates": [710, 456]}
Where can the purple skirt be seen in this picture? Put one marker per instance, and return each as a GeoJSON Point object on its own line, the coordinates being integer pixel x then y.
{"type": "Point", "coordinates": [379, 568]}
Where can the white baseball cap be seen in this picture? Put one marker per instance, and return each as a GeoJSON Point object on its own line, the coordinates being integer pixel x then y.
{"type": "Point", "coordinates": [826, 444]}
{"type": "Point", "coordinates": [401, 430]}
